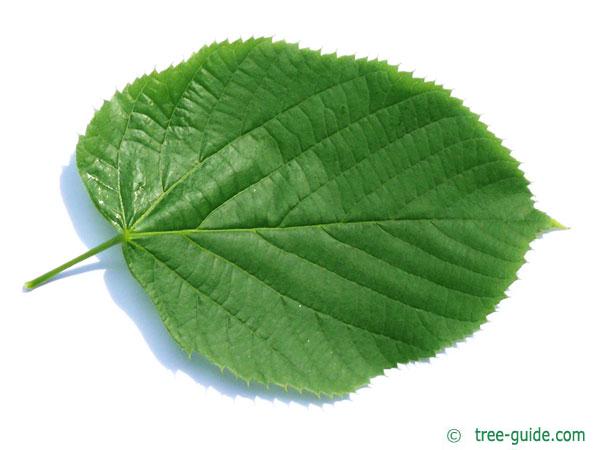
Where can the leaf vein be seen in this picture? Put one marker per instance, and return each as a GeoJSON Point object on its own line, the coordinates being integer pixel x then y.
{"type": "Point", "coordinates": [296, 301]}
{"type": "Point", "coordinates": [427, 280]}
{"type": "Point", "coordinates": [311, 149]}
{"type": "Point", "coordinates": [417, 309]}
{"type": "Point", "coordinates": [199, 163]}
{"type": "Point", "coordinates": [227, 311]}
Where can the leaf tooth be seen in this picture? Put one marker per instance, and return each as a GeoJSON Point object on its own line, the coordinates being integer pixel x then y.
{"type": "Point", "coordinates": [345, 58]}
{"type": "Point", "coordinates": [442, 88]}
{"type": "Point", "coordinates": [333, 55]}
{"type": "Point", "coordinates": [220, 43]}
{"type": "Point", "coordinates": [240, 40]}
{"type": "Point", "coordinates": [271, 39]}
{"type": "Point", "coordinates": [394, 65]}
{"type": "Point", "coordinates": [295, 44]}
{"type": "Point", "coordinates": [421, 79]}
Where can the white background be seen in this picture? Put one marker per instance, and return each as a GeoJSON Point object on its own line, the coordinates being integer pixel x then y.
{"type": "Point", "coordinates": [85, 362]}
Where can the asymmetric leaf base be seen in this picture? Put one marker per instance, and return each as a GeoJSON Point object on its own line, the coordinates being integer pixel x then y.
{"type": "Point", "coordinates": [303, 219]}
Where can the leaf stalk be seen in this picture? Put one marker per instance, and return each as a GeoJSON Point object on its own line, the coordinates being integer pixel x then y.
{"type": "Point", "coordinates": [32, 284]}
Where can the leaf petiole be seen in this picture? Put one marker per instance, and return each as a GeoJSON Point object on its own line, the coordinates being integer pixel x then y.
{"type": "Point", "coordinates": [32, 284]}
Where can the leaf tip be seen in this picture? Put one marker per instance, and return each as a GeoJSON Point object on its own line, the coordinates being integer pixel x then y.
{"type": "Point", "coordinates": [556, 225]}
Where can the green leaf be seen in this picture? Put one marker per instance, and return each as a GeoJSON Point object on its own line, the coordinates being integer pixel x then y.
{"type": "Point", "coordinates": [307, 220]}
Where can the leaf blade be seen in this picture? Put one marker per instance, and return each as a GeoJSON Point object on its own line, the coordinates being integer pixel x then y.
{"type": "Point", "coordinates": [308, 220]}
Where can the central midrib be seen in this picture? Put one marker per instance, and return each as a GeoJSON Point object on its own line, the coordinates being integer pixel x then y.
{"type": "Point", "coordinates": [132, 234]}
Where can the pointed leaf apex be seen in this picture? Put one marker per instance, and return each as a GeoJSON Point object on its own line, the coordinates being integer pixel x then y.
{"type": "Point", "coordinates": [556, 225]}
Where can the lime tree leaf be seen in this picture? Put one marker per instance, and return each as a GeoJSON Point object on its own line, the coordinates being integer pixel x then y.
{"type": "Point", "coordinates": [303, 219]}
